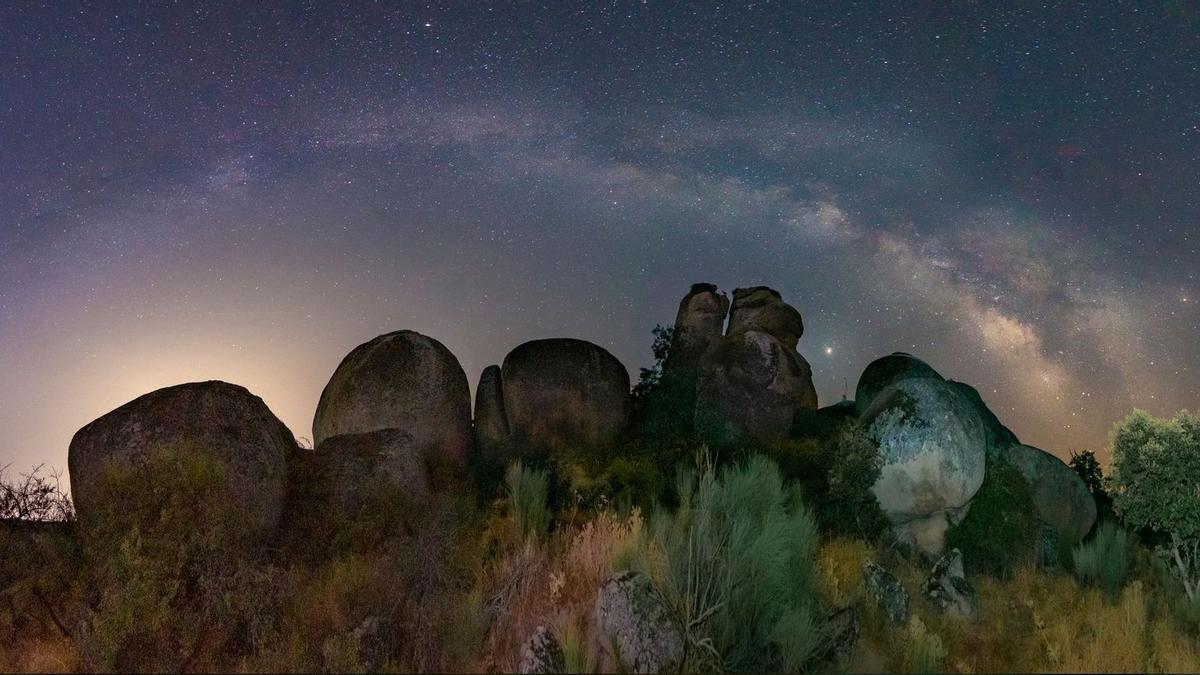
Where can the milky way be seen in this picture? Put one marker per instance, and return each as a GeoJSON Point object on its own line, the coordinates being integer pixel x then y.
{"type": "Point", "coordinates": [216, 192]}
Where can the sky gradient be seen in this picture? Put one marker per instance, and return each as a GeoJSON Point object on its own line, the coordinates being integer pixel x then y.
{"type": "Point", "coordinates": [208, 191]}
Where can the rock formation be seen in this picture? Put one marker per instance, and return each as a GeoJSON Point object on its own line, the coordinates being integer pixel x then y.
{"type": "Point", "coordinates": [215, 417]}
{"type": "Point", "coordinates": [949, 591]}
{"type": "Point", "coordinates": [999, 438]}
{"type": "Point", "coordinates": [552, 394]}
{"type": "Point", "coordinates": [347, 465]}
{"type": "Point", "coordinates": [933, 445]}
{"type": "Point", "coordinates": [887, 592]}
{"type": "Point", "coordinates": [886, 371]}
{"type": "Point", "coordinates": [632, 630]}
{"type": "Point", "coordinates": [542, 654]}
{"type": "Point", "coordinates": [1059, 495]}
{"type": "Point", "coordinates": [699, 321]}
{"type": "Point", "coordinates": [402, 380]}
{"type": "Point", "coordinates": [751, 383]}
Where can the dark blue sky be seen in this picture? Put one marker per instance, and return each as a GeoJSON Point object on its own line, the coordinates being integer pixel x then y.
{"type": "Point", "coordinates": [196, 191]}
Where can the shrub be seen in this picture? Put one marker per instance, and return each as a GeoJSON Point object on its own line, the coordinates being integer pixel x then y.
{"type": "Point", "coordinates": [1156, 484]}
{"type": "Point", "coordinates": [735, 568]}
{"type": "Point", "coordinates": [1087, 467]}
{"type": "Point", "coordinates": [1001, 531]}
{"type": "Point", "coordinates": [925, 649]}
{"type": "Point", "coordinates": [836, 473]}
{"type": "Point", "coordinates": [1104, 560]}
{"type": "Point", "coordinates": [576, 656]}
{"type": "Point", "coordinates": [35, 496]}
{"type": "Point", "coordinates": [527, 493]}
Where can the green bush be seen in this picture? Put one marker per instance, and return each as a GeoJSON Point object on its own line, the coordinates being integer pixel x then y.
{"type": "Point", "coordinates": [1104, 561]}
{"type": "Point", "coordinates": [1001, 531]}
{"type": "Point", "coordinates": [527, 493]}
{"type": "Point", "coordinates": [737, 568]}
{"type": "Point", "coordinates": [836, 473]}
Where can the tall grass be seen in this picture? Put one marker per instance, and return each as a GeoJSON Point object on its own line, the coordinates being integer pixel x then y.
{"type": "Point", "coordinates": [527, 493]}
{"type": "Point", "coordinates": [735, 565]}
{"type": "Point", "coordinates": [1105, 560]}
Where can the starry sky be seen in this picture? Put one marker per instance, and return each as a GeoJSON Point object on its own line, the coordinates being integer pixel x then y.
{"type": "Point", "coordinates": [215, 191]}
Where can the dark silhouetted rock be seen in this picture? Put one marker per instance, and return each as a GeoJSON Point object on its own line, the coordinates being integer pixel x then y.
{"type": "Point", "coordinates": [542, 654]}
{"type": "Point", "coordinates": [564, 393]}
{"type": "Point", "coordinates": [887, 592]}
{"type": "Point", "coordinates": [402, 380]}
{"type": "Point", "coordinates": [630, 618]}
{"type": "Point", "coordinates": [884, 372]}
{"type": "Point", "coordinates": [948, 589]}
{"type": "Point", "coordinates": [762, 309]}
{"type": "Point", "coordinates": [1059, 495]}
{"type": "Point", "coordinates": [491, 422]}
{"type": "Point", "coordinates": [699, 321]}
{"type": "Point", "coordinates": [751, 387]}
{"type": "Point", "coordinates": [932, 443]}
{"type": "Point", "coordinates": [350, 465]}
{"type": "Point", "coordinates": [223, 419]}
{"type": "Point", "coordinates": [998, 437]}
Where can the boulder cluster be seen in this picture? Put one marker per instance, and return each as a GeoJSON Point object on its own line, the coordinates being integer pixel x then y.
{"type": "Point", "coordinates": [398, 406]}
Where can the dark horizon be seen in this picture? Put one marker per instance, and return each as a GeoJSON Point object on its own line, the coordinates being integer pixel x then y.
{"type": "Point", "coordinates": [214, 192]}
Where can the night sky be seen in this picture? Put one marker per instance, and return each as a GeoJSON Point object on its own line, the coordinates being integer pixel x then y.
{"type": "Point", "coordinates": [208, 191]}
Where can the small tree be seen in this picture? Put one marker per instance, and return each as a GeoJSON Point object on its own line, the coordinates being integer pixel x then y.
{"type": "Point", "coordinates": [1087, 467]}
{"type": "Point", "coordinates": [1155, 483]}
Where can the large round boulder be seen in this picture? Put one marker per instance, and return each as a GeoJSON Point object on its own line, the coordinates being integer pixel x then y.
{"type": "Point", "coordinates": [933, 446]}
{"type": "Point", "coordinates": [751, 387]}
{"type": "Point", "coordinates": [886, 371]}
{"type": "Point", "coordinates": [564, 393]}
{"type": "Point", "coordinates": [491, 422]}
{"type": "Point", "coordinates": [402, 380]}
{"type": "Point", "coordinates": [999, 438]}
{"type": "Point", "coordinates": [224, 420]}
{"type": "Point", "coordinates": [1059, 495]}
{"type": "Point", "coordinates": [762, 309]}
{"type": "Point", "coordinates": [347, 468]}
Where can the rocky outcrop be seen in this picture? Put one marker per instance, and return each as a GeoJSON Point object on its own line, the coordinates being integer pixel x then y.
{"type": "Point", "coordinates": [763, 310]}
{"type": "Point", "coordinates": [1059, 495]}
{"type": "Point", "coordinates": [542, 654]}
{"type": "Point", "coordinates": [751, 387]}
{"type": "Point", "coordinates": [402, 380]}
{"type": "Point", "coordinates": [223, 419]}
{"type": "Point", "coordinates": [886, 371]}
{"type": "Point", "coordinates": [886, 590]}
{"type": "Point", "coordinates": [933, 445]}
{"type": "Point", "coordinates": [349, 466]}
{"type": "Point", "coordinates": [948, 589]}
{"type": "Point", "coordinates": [998, 437]}
{"type": "Point", "coordinates": [564, 393]}
{"type": "Point", "coordinates": [632, 629]}
{"type": "Point", "coordinates": [698, 323]}
{"type": "Point", "coordinates": [491, 422]}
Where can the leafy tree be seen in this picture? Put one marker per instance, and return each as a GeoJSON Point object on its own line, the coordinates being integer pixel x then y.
{"type": "Point", "coordinates": [1155, 483]}
{"type": "Point", "coordinates": [1087, 467]}
{"type": "Point", "coordinates": [651, 377]}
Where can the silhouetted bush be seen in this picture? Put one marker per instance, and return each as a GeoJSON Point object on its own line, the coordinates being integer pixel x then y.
{"type": "Point", "coordinates": [1104, 560]}
{"type": "Point", "coordinates": [527, 491]}
{"type": "Point", "coordinates": [1001, 531]}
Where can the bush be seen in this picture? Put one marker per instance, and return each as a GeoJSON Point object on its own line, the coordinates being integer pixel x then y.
{"type": "Point", "coordinates": [527, 493]}
{"type": "Point", "coordinates": [1001, 531]}
{"type": "Point", "coordinates": [1104, 561]}
{"type": "Point", "coordinates": [35, 496]}
{"type": "Point", "coordinates": [737, 569]}
{"type": "Point", "coordinates": [836, 473]}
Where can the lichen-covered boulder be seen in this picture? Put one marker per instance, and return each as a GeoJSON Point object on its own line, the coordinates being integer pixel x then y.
{"type": "Point", "coordinates": [630, 618]}
{"type": "Point", "coordinates": [1059, 495]}
{"type": "Point", "coordinates": [762, 309]}
{"type": "Point", "coordinates": [347, 467]}
{"type": "Point", "coordinates": [564, 393]}
{"type": "Point", "coordinates": [699, 321]}
{"type": "Point", "coordinates": [887, 591]}
{"type": "Point", "coordinates": [949, 591]}
{"type": "Point", "coordinates": [491, 421]}
{"type": "Point", "coordinates": [402, 380]}
{"type": "Point", "coordinates": [542, 654]}
{"type": "Point", "coordinates": [886, 371]}
{"type": "Point", "coordinates": [234, 426]}
{"type": "Point", "coordinates": [933, 448]}
{"type": "Point", "coordinates": [998, 437]}
{"type": "Point", "coordinates": [751, 386]}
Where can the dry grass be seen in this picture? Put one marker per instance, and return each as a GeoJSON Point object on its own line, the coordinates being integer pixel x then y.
{"type": "Point", "coordinates": [554, 584]}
